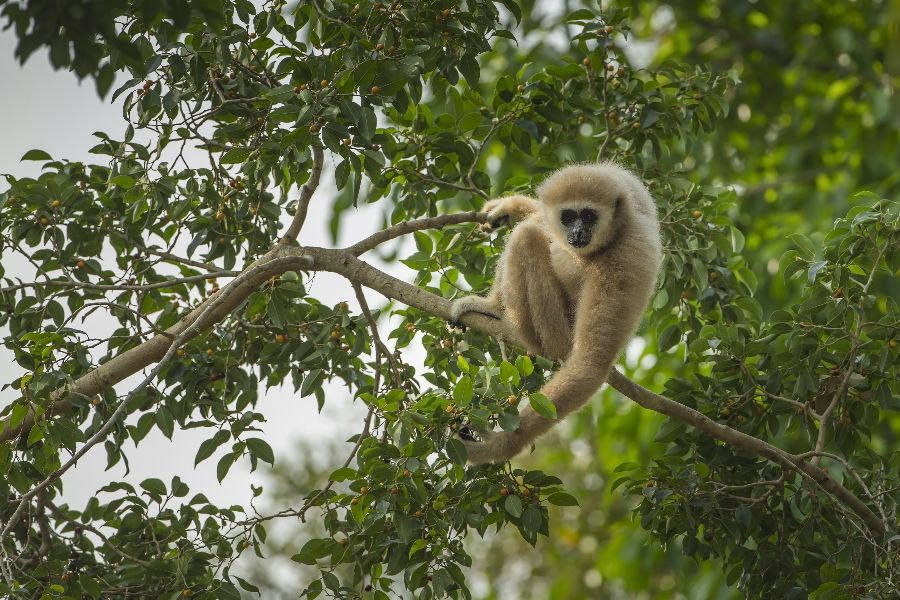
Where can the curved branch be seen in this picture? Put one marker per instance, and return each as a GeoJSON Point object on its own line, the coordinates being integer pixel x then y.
{"type": "Point", "coordinates": [344, 263]}
{"type": "Point", "coordinates": [305, 196]}
{"type": "Point", "coordinates": [407, 227]}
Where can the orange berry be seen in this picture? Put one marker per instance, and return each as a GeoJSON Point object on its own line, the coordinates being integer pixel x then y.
{"type": "Point", "coordinates": [586, 62]}
{"type": "Point", "coordinates": [697, 214]}
{"type": "Point", "coordinates": [376, 90]}
{"type": "Point", "coordinates": [81, 263]}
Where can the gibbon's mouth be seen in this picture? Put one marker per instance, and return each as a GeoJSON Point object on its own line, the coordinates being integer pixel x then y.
{"type": "Point", "coordinates": [579, 242]}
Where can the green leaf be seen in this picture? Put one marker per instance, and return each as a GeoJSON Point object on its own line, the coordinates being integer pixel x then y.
{"type": "Point", "coordinates": [224, 465]}
{"type": "Point", "coordinates": [804, 243]}
{"type": "Point", "coordinates": [562, 499]}
{"type": "Point", "coordinates": [456, 452]}
{"type": "Point", "coordinates": [234, 156]}
{"type": "Point", "coordinates": [542, 405]}
{"type": "Point", "coordinates": [36, 155]}
{"type": "Point", "coordinates": [154, 486]}
{"type": "Point", "coordinates": [524, 365]}
{"type": "Point", "coordinates": [508, 373]}
{"type": "Point", "coordinates": [513, 505]}
{"type": "Point", "coordinates": [261, 450]}
{"type": "Point", "coordinates": [123, 181]}
{"type": "Point", "coordinates": [814, 270]}
{"type": "Point", "coordinates": [209, 446]}
{"type": "Point", "coordinates": [462, 391]}
{"type": "Point", "coordinates": [342, 474]}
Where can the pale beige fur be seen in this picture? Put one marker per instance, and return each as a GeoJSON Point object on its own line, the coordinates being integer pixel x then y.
{"type": "Point", "coordinates": [580, 305]}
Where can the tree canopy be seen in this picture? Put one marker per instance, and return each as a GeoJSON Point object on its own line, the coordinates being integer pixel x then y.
{"type": "Point", "coordinates": [750, 442]}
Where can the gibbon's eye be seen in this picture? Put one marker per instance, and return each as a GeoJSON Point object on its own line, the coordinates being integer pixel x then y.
{"type": "Point", "coordinates": [588, 216]}
{"type": "Point", "coordinates": [567, 217]}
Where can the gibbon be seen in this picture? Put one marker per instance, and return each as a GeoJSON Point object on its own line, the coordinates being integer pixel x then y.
{"type": "Point", "coordinates": [573, 281]}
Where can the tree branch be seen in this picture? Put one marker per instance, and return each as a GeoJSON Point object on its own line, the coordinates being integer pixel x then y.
{"type": "Point", "coordinates": [305, 196]}
{"type": "Point", "coordinates": [345, 262]}
{"type": "Point", "coordinates": [407, 227]}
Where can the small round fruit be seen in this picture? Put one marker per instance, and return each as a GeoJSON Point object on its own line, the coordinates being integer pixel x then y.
{"type": "Point", "coordinates": [187, 593]}
{"type": "Point", "coordinates": [220, 216]}
{"type": "Point", "coordinates": [315, 128]}
{"type": "Point", "coordinates": [210, 352]}
{"type": "Point", "coordinates": [419, 514]}
{"type": "Point", "coordinates": [55, 204]}
{"type": "Point", "coordinates": [44, 221]}
{"type": "Point", "coordinates": [364, 489]}
{"type": "Point", "coordinates": [892, 344]}
{"type": "Point", "coordinates": [81, 264]}
{"type": "Point", "coordinates": [354, 501]}
{"type": "Point", "coordinates": [379, 46]}
{"type": "Point", "coordinates": [376, 90]}
{"type": "Point", "coordinates": [281, 338]}
{"type": "Point", "coordinates": [324, 83]}
{"type": "Point", "coordinates": [181, 352]}
{"type": "Point", "coordinates": [336, 334]}
{"type": "Point", "coordinates": [512, 400]}
{"type": "Point", "coordinates": [520, 88]}
{"type": "Point", "coordinates": [586, 62]}
{"type": "Point", "coordinates": [395, 490]}
{"type": "Point", "coordinates": [504, 491]}
{"type": "Point", "coordinates": [368, 587]}
{"type": "Point", "coordinates": [406, 473]}
{"type": "Point", "coordinates": [410, 327]}
{"type": "Point", "coordinates": [697, 214]}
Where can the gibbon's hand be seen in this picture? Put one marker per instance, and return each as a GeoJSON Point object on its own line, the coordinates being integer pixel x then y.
{"type": "Point", "coordinates": [497, 212]}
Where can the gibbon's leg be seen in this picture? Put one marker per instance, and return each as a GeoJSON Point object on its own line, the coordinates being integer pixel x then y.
{"type": "Point", "coordinates": [533, 298]}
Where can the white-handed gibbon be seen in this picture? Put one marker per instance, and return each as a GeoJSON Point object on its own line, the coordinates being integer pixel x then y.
{"type": "Point", "coordinates": [573, 281]}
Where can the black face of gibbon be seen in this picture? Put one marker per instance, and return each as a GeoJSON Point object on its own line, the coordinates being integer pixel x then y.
{"type": "Point", "coordinates": [579, 225]}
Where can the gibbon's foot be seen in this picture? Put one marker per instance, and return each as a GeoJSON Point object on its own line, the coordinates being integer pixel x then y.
{"type": "Point", "coordinates": [467, 434]}
{"type": "Point", "coordinates": [494, 447]}
{"type": "Point", "coordinates": [468, 304]}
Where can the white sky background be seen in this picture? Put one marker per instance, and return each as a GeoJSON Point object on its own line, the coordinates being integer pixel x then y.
{"type": "Point", "coordinates": [50, 110]}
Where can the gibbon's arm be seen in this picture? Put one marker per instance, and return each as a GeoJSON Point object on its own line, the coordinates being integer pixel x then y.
{"type": "Point", "coordinates": [517, 206]}
{"type": "Point", "coordinates": [600, 335]}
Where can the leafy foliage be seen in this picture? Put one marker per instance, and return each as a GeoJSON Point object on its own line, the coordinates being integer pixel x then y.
{"type": "Point", "coordinates": [427, 107]}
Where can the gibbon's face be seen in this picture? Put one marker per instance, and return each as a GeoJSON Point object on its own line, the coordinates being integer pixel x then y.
{"type": "Point", "coordinates": [584, 227]}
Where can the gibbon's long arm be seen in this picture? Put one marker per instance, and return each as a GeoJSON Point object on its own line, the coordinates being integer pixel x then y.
{"type": "Point", "coordinates": [599, 337]}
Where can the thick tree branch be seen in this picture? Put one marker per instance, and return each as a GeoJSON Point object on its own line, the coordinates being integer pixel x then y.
{"type": "Point", "coordinates": [345, 262]}
{"type": "Point", "coordinates": [131, 361]}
